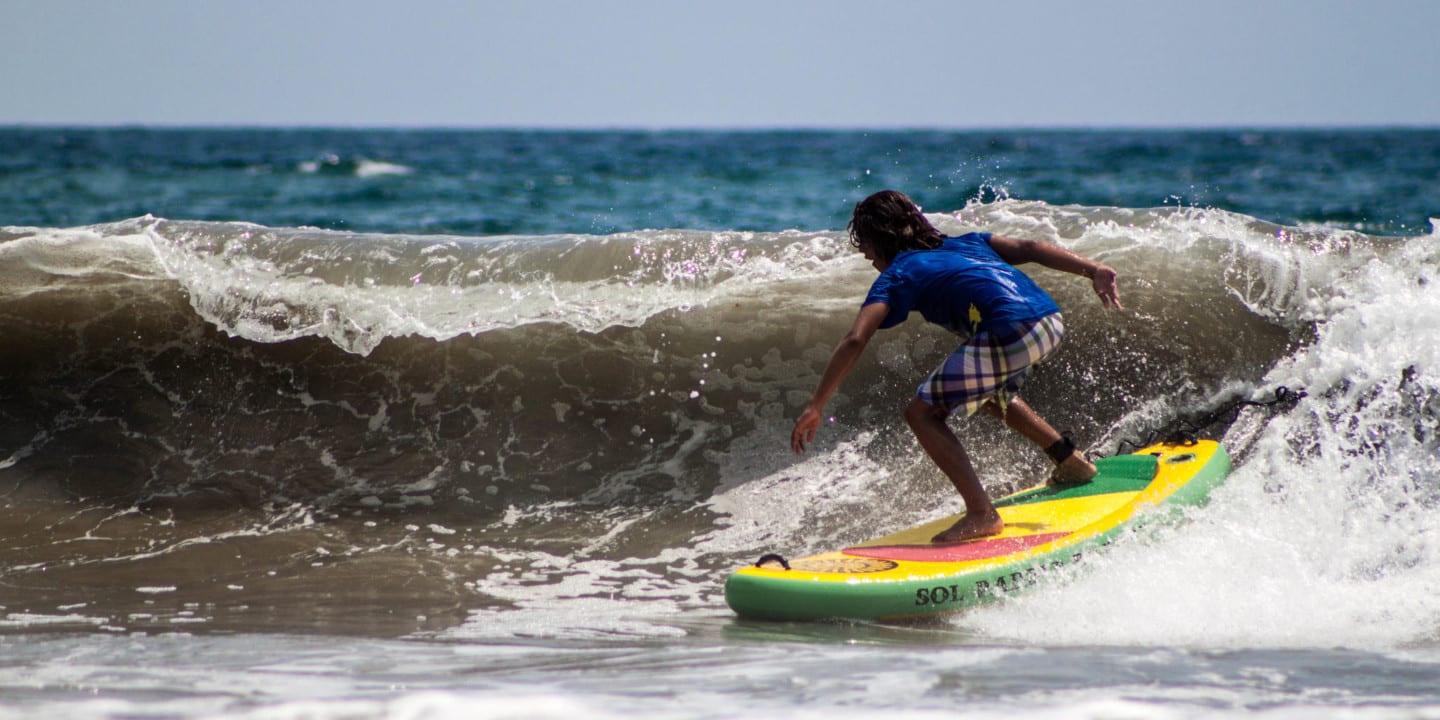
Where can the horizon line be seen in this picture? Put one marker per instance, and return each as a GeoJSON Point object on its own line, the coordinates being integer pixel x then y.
{"type": "Point", "coordinates": [719, 128]}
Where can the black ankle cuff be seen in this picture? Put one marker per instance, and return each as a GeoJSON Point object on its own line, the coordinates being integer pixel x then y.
{"type": "Point", "coordinates": [1060, 450]}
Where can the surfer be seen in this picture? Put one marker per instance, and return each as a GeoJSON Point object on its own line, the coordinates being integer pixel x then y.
{"type": "Point", "coordinates": [970, 286]}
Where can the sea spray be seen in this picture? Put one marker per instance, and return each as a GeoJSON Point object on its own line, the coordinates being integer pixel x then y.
{"type": "Point", "coordinates": [1326, 533]}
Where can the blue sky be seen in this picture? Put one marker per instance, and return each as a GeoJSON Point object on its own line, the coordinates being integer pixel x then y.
{"type": "Point", "coordinates": [738, 63]}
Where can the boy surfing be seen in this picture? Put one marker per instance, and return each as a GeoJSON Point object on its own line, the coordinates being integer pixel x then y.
{"type": "Point", "coordinates": [969, 285]}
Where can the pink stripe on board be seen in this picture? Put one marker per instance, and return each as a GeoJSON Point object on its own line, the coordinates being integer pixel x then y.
{"type": "Point", "coordinates": [955, 552]}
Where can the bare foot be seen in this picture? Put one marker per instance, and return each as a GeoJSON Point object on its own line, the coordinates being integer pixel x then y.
{"type": "Point", "coordinates": [971, 527]}
{"type": "Point", "coordinates": [1074, 471]}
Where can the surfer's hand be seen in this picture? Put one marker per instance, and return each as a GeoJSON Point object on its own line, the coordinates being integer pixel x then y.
{"type": "Point", "coordinates": [805, 429]}
{"type": "Point", "coordinates": [1103, 280]}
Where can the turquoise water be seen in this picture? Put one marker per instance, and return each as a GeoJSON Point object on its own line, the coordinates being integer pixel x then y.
{"type": "Point", "coordinates": [547, 182]}
{"type": "Point", "coordinates": [336, 424]}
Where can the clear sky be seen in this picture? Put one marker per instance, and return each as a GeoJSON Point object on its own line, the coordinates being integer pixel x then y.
{"type": "Point", "coordinates": [732, 63]}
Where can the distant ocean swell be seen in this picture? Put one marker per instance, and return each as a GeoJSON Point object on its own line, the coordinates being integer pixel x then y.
{"type": "Point", "coordinates": [615, 396]}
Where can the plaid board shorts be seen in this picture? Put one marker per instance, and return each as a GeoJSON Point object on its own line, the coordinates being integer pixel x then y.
{"type": "Point", "coordinates": [991, 365]}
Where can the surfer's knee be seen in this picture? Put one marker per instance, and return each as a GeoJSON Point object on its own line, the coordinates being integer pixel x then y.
{"type": "Point", "coordinates": [919, 413]}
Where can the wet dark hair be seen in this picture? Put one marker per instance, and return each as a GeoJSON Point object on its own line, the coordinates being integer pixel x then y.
{"type": "Point", "coordinates": [891, 223]}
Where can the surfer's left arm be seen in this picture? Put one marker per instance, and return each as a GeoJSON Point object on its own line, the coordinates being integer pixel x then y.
{"type": "Point", "coordinates": [1102, 277]}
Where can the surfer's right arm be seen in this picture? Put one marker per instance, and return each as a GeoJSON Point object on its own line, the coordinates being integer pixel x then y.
{"type": "Point", "coordinates": [841, 360]}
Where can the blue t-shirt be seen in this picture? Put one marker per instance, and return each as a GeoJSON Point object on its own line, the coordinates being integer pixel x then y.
{"type": "Point", "coordinates": [963, 286]}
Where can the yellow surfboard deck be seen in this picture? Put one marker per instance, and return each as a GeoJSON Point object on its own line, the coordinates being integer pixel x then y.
{"type": "Point", "coordinates": [904, 575]}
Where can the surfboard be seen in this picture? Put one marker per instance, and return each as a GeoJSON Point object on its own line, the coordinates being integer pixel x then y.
{"type": "Point", "coordinates": [1047, 529]}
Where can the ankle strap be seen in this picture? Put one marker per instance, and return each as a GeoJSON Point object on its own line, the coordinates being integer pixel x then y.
{"type": "Point", "coordinates": [1060, 450]}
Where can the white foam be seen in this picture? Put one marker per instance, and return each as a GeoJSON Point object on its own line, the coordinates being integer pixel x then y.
{"type": "Point", "coordinates": [272, 285]}
{"type": "Point", "coordinates": [375, 168]}
{"type": "Point", "coordinates": [1326, 533]}
{"type": "Point", "coordinates": [26, 620]}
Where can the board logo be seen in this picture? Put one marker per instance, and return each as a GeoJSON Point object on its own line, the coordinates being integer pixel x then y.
{"type": "Point", "coordinates": [851, 565]}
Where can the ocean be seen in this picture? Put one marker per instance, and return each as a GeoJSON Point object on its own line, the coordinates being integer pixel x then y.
{"type": "Point", "coordinates": [336, 424]}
